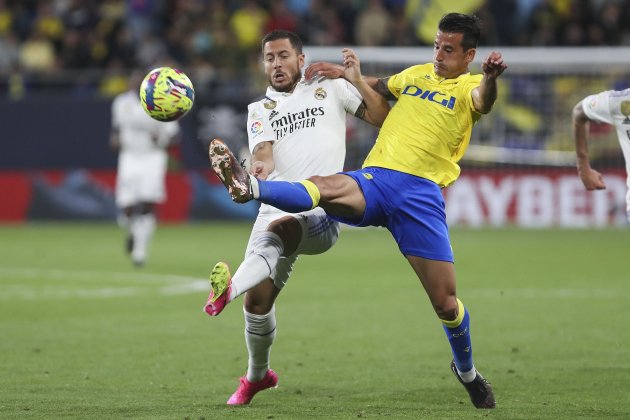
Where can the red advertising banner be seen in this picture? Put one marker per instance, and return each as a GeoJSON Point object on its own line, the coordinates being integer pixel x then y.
{"type": "Point", "coordinates": [479, 198]}
{"type": "Point", "coordinates": [536, 199]}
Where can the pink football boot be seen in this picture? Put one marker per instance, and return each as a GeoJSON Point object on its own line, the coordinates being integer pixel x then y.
{"type": "Point", "coordinates": [246, 390]}
{"type": "Point", "coordinates": [220, 282]}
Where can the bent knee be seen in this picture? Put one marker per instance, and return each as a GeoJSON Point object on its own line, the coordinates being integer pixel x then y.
{"type": "Point", "coordinates": [257, 307]}
{"type": "Point", "coordinates": [285, 227]}
{"type": "Point", "coordinates": [447, 308]}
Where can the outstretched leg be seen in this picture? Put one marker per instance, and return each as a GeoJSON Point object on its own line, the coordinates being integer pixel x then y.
{"type": "Point", "coordinates": [281, 238]}
{"type": "Point", "coordinates": [338, 194]}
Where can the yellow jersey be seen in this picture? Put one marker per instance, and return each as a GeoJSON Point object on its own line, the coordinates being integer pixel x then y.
{"type": "Point", "coordinates": [428, 130]}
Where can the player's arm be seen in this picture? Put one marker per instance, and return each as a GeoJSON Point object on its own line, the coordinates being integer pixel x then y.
{"type": "Point", "coordinates": [591, 179]}
{"type": "Point", "coordinates": [374, 108]}
{"type": "Point", "coordinates": [380, 86]}
{"type": "Point", "coordinates": [324, 70]}
{"type": "Point", "coordinates": [262, 160]}
{"type": "Point", "coordinates": [484, 96]}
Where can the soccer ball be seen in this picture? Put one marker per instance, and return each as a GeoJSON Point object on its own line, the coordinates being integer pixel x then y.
{"type": "Point", "coordinates": [166, 94]}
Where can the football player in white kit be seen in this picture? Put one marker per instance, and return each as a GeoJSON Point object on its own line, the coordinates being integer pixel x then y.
{"type": "Point", "coordinates": [297, 130]}
{"type": "Point", "coordinates": [610, 107]}
{"type": "Point", "coordinates": [142, 160]}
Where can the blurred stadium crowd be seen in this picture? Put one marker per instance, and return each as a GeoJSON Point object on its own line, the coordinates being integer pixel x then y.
{"type": "Point", "coordinates": [43, 37]}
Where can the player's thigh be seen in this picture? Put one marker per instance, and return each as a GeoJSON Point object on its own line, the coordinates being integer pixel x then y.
{"type": "Point", "coordinates": [319, 232]}
{"type": "Point", "coordinates": [126, 192]}
{"type": "Point", "coordinates": [289, 229]}
{"type": "Point", "coordinates": [340, 195]}
{"type": "Point", "coordinates": [260, 226]}
{"type": "Point", "coordinates": [152, 184]}
{"type": "Point", "coordinates": [281, 273]}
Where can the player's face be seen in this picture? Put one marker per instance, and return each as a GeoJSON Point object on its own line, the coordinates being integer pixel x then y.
{"type": "Point", "coordinates": [449, 58]}
{"type": "Point", "coordinates": [283, 65]}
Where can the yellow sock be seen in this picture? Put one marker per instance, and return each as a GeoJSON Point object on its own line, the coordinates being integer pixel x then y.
{"type": "Point", "coordinates": [312, 191]}
{"type": "Point", "coordinates": [460, 316]}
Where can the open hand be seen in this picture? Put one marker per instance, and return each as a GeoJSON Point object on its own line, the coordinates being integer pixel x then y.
{"type": "Point", "coordinates": [493, 65]}
{"type": "Point", "coordinates": [323, 70]}
{"type": "Point", "coordinates": [352, 65]}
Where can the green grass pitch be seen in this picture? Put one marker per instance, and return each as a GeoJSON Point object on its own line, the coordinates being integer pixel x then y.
{"type": "Point", "coordinates": [85, 335]}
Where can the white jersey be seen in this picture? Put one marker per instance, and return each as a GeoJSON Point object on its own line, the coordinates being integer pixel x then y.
{"type": "Point", "coordinates": [139, 133]}
{"type": "Point", "coordinates": [142, 159]}
{"type": "Point", "coordinates": [613, 107]}
{"type": "Point", "coordinates": [307, 128]}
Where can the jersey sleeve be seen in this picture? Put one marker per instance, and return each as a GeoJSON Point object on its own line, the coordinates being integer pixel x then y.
{"type": "Point", "coordinates": [258, 127]}
{"type": "Point", "coordinates": [349, 95]}
{"type": "Point", "coordinates": [472, 83]}
{"type": "Point", "coordinates": [396, 83]}
{"type": "Point", "coordinates": [597, 107]}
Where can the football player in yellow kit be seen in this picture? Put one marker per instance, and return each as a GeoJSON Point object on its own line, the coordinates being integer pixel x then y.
{"type": "Point", "coordinates": [399, 187]}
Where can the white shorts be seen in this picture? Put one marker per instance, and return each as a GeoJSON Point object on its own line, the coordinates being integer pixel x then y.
{"type": "Point", "coordinates": [319, 234]}
{"type": "Point", "coordinates": [140, 179]}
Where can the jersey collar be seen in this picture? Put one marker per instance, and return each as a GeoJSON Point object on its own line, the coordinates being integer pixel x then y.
{"type": "Point", "coordinates": [444, 80]}
{"type": "Point", "coordinates": [273, 94]}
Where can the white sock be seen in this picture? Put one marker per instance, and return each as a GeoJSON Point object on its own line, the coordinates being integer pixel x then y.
{"type": "Point", "coordinates": [142, 228]}
{"type": "Point", "coordinates": [258, 265]}
{"type": "Point", "coordinates": [255, 188]}
{"type": "Point", "coordinates": [468, 376]}
{"type": "Point", "coordinates": [260, 331]}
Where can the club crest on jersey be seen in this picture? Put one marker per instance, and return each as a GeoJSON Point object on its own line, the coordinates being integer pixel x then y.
{"type": "Point", "coordinates": [256, 128]}
{"type": "Point", "coordinates": [320, 93]}
{"type": "Point", "coordinates": [270, 104]}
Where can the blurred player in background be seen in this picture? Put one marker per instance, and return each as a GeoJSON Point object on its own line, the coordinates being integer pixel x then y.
{"type": "Point", "coordinates": [142, 163]}
{"type": "Point", "coordinates": [609, 107]}
{"type": "Point", "coordinates": [399, 187]}
{"type": "Point", "coordinates": [297, 130]}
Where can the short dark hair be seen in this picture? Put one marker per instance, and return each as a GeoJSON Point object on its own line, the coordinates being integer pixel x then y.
{"type": "Point", "coordinates": [293, 38]}
{"type": "Point", "coordinates": [458, 23]}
